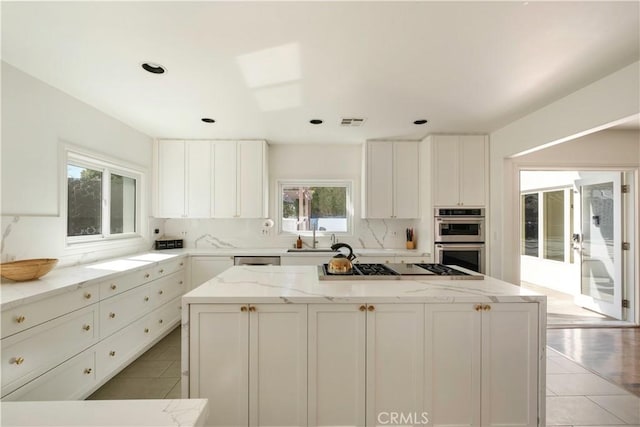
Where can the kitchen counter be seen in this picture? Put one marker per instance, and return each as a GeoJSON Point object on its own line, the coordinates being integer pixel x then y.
{"type": "Point", "coordinates": [283, 252]}
{"type": "Point", "coordinates": [157, 413]}
{"type": "Point", "coordinates": [300, 284]}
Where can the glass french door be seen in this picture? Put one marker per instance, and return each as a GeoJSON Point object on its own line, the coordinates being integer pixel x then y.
{"type": "Point", "coordinates": [601, 244]}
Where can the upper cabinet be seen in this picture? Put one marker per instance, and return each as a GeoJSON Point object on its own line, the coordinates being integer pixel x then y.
{"type": "Point", "coordinates": [212, 179]}
{"type": "Point", "coordinates": [460, 176]}
{"type": "Point", "coordinates": [391, 179]}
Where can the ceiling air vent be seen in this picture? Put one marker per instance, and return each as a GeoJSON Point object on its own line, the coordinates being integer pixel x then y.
{"type": "Point", "coordinates": [351, 122]}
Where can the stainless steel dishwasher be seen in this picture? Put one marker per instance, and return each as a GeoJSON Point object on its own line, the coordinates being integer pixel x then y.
{"type": "Point", "coordinates": [256, 260]}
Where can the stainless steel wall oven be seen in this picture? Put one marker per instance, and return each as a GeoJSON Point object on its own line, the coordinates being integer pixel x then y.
{"type": "Point", "coordinates": [459, 236]}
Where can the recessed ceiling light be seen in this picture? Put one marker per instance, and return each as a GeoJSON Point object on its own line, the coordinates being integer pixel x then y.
{"type": "Point", "coordinates": [419, 122]}
{"type": "Point", "coordinates": [154, 68]}
{"type": "Point", "coordinates": [207, 120]}
{"type": "Point", "coordinates": [315, 121]}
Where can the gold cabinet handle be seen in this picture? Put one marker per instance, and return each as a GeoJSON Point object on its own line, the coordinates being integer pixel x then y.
{"type": "Point", "coordinates": [181, 264]}
{"type": "Point", "coordinates": [180, 282]}
{"type": "Point", "coordinates": [17, 361]}
{"type": "Point", "coordinates": [478, 307]}
{"type": "Point", "coordinates": [20, 319]}
{"type": "Point", "coordinates": [161, 270]}
{"type": "Point", "coordinates": [487, 307]}
{"type": "Point", "coordinates": [112, 315]}
{"type": "Point", "coordinates": [146, 276]}
{"type": "Point", "coordinates": [113, 286]}
{"type": "Point", "coordinates": [86, 327]}
{"type": "Point", "coordinates": [252, 308]}
{"type": "Point", "coordinates": [87, 295]}
{"type": "Point", "coordinates": [371, 308]}
{"type": "Point", "coordinates": [88, 371]}
{"type": "Point", "coordinates": [146, 330]}
{"type": "Point", "coordinates": [243, 308]}
{"type": "Point", "coordinates": [160, 292]}
{"type": "Point", "coordinates": [362, 308]}
{"type": "Point", "coordinates": [112, 353]}
{"type": "Point", "coordinates": [146, 298]}
{"type": "Point", "coordinates": [160, 321]}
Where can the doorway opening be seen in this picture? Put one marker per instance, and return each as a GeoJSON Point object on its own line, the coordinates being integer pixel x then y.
{"type": "Point", "coordinates": [573, 225]}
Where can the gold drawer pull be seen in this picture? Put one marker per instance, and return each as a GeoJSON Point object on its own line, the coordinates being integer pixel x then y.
{"type": "Point", "coordinates": [87, 295]}
{"type": "Point", "coordinates": [362, 308]}
{"type": "Point", "coordinates": [160, 292]}
{"type": "Point", "coordinates": [88, 371]}
{"type": "Point", "coordinates": [113, 287]}
{"type": "Point", "coordinates": [243, 308]}
{"type": "Point", "coordinates": [180, 283]}
{"type": "Point", "coordinates": [252, 308]}
{"type": "Point", "coordinates": [160, 321]}
{"type": "Point", "coordinates": [181, 264]}
{"type": "Point", "coordinates": [371, 308]}
{"type": "Point", "coordinates": [112, 353]}
{"type": "Point", "coordinates": [161, 271]}
{"type": "Point", "coordinates": [478, 307]}
{"type": "Point", "coordinates": [17, 360]}
{"type": "Point", "coordinates": [20, 319]}
{"type": "Point", "coordinates": [146, 330]}
{"type": "Point", "coordinates": [112, 315]}
{"type": "Point", "coordinates": [146, 276]}
{"type": "Point", "coordinates": [86, 327]}
{"type": "Point", "coordinates": [146, 298]}
{"type": "Point", "coordinates": [486, 307]}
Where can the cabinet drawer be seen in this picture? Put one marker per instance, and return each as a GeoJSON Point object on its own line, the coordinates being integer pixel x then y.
{"type": "Point", "coordinates": [69, 381]}
{"type": "Point", "coordinates": [167, 267]}
{"type": "Point", "coordinates": [27, 316]}
{"type": "Point", "coordinates": [119, 311]}
{"type": "Point", "coordinates": [114, 352]}
{"type": "Point", "coordinates": [166, 316]}
{"type": "Point", "coordinates": [167, 288]}
{"type": "Point", "coordinates": [31, 353]}
{"type": "Point", "coordinates": [120, 284]}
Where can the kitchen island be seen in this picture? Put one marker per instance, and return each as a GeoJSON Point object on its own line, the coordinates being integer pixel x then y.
{"type": "Point", "coordinates": [273, 345]}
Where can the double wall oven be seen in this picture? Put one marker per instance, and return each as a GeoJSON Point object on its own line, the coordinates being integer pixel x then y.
{"type": "Point", "coordinates": [459, 237]}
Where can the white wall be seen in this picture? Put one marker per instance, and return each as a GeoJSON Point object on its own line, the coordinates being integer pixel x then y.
{"type": "Point", "coordinates": [36, 120]}
{"type": "Point", "coordinates": [305, 161]}
{"type": "Point", "coordinates": [608, 101]}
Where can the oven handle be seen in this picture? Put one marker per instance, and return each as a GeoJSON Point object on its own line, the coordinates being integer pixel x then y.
{"type": "Point", "coordinates": [461, 245]}
{"type": "Point", "coordinates": [457, 220]}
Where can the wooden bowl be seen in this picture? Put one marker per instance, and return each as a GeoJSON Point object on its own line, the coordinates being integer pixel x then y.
{"type": "Point", "coordinates": [28, 269]}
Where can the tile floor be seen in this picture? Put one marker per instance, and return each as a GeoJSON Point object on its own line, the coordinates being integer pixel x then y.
{"type": "Point", "coordinates": [576, 397]}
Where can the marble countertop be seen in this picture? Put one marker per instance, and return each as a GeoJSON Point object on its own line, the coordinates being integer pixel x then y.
{"type": "Point", "coordinates": [87, 413]}
{"type": "Point", "coordinates": [300, 284]}
{"type": "Point", "coordinates": [283, 252]}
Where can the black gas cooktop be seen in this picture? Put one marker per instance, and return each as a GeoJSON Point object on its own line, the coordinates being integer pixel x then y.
{"type": "Point", "coordinates": [397, 271]}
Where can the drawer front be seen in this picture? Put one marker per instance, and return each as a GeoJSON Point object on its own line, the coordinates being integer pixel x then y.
{"type": "Point", "coordinates": [21, 318]}
{"type": "Point", "coordinates": [31, 353]}
{"type": "Point", "coordinates": [113, 352]}
{"type": "Point", "coordinates": [120, 284]}
{"type": "Point", "coordinates": [167, 315]}
{"type": "Point", "coordinates": [69, 381]}
{"type": "Point", "coordinates": [121, 310]}
{"type": "Point", "coordinates": [168, 267]}
{"type": "Point", "coordinates": [167, 288]}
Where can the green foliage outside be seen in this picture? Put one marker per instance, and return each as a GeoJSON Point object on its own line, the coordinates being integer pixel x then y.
{"type": "Point", "coordinates": [325, 202]}
{"type": "Point", "coordinates": [84, 209]}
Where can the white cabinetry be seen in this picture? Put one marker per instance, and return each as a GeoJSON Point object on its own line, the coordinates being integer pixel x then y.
{"type": "Point", "coordinates": [460, 175]}
{"type": "Point", "coordinates": [184, 179]}
{"type": "Point", "coordinates": [484, 354]}
{"type": "Point", "coordinates": [66, 346]}
{"type": "Point", "coordinates": [391, 179]}
{"type": "Point", "coordinates": [250, 361]}
{"type": "Point", "coordinates": [240, 179]}
{"type": "Point", "coordinates": [204, 268]}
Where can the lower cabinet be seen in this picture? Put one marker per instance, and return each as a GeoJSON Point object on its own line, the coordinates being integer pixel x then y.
{"type": "Point", "coordinates": [204, 268]}
{"type": "Point", "coordinates": [250, 361]}
{"type": "Point", "coordinates": [455, 364]}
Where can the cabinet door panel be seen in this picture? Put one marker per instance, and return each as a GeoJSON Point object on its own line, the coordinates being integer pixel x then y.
{"type": "Point", "coordinates": [171, 179]}
{"type": "Point", "coordinates": [445, 171]}
{"type": "Point", "coordinates": [452, 364]}
{"type": "Point", "coordinates": [198, 173]}
{"type": "Point", "coordinates": [224, 179]}
{"type": "Point", "coordinates": [510, 364]}
{"type": "Point", "coordinates": [251, 183]}
{"type": "Point", "coordinates": [219, 361]}
{"type": "Point", "coordinates": [205, 268]}
{"type": "Point", "coordinates": [336, 365]}
{"type": "Point", "coordinates": [278, 365]}
{"type": "Point", "coordinates": [472, 170]}
{"type": "Point", "coordinates": [395, 359]}
{"type": "Point", "coordinates": [379, 180]}
{"type": "Point", "coordinates": [406, 179]}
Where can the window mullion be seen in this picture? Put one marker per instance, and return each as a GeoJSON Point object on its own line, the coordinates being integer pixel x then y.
{"type": "Point", "coordinates": [106, 203]}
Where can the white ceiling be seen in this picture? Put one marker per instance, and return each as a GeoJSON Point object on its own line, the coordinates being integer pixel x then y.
{"type": "Point", "coordinates": [264, 69]}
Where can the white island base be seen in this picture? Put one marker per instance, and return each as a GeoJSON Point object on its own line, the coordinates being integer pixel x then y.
{"type": "Point", "coordinates": [273, 345]}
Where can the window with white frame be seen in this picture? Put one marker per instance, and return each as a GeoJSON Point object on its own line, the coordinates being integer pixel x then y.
{"type": "Point", "coordinates": [322, 205]}
{"type": "Point", "coordinates": [103, 200]}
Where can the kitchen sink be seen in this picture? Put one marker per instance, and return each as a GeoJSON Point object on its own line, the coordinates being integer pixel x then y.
{"type": "Point", "coordinates": [325, 250]}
